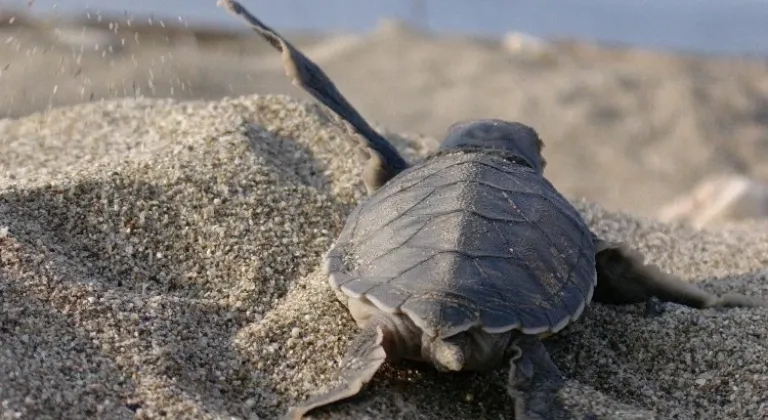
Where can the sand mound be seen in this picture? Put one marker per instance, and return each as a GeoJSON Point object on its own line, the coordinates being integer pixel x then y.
{"type": "Point", "coordinates": [161, 259]}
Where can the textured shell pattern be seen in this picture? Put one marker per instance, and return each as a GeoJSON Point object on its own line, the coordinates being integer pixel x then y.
{"type": "Point", "coordinates": [468, 240]}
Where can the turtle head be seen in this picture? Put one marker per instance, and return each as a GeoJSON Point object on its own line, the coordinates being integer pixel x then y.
{"type": "Point", "coordinates": [516, 139]}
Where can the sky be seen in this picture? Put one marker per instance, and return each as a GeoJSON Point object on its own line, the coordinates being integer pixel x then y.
{"type": "Point", "coordinates": [701, 26]}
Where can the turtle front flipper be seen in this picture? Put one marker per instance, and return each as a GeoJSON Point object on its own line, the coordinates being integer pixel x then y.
{"type": "Point", "coordinates": [385, 161]}
{"type": "Point", "coordinates": [534, 381]}
{"type": "Point", "coordinates": [363, 358]}
{"type": "Point", "coordinates": [624, 278]}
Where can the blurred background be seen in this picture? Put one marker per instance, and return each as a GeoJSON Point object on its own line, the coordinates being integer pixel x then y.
{"type": "Point", "coordinates": [656, 107]}
{"type": "Point", "coordinates": [707, 26]}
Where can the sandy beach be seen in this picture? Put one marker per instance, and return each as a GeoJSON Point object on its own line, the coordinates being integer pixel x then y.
{"type": "Point", "coordinates": [160, 258]}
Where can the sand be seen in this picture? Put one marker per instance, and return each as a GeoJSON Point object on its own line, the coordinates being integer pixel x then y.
{"type": "Point", "coordinates": [161, 259]}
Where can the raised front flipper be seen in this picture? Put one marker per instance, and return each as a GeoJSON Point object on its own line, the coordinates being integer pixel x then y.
{"type": "Point", "coordinates": [624, 278]}
{"type": "Point", "coordinates": [385, 162]}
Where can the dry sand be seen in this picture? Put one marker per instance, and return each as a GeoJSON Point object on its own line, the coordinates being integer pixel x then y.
{"type": "Point", "coordinates": [161, 259]}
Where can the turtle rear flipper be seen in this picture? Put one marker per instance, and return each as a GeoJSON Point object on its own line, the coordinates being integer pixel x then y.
{"type": "Point", "coordinates": [363, 358]}
{"type": "Point", "coordinates": [534, 381]}
{"type": "Point", "coordinates": [385, 161]}
{"type": "Point", "coordinates": [624, 278]}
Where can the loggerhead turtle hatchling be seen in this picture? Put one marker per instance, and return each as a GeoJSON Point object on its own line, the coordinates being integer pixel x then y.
{"type": "Point", "coordinates": [467, 259]}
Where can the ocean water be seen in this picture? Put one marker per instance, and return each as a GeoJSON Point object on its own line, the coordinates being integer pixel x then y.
{"type": "Point", "coordinates": [700, 26]}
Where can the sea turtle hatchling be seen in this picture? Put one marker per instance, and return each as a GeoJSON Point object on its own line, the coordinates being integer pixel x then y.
{"type": "Point", "coordinates": [467, 259]}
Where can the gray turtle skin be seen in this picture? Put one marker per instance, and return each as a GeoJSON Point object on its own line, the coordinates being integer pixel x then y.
{"type": "Point", "coordinates": [470, 258]}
